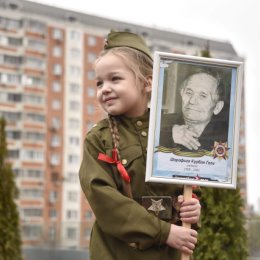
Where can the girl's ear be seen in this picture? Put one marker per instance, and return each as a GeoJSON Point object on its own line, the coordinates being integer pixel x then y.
{"type": "Point", "coordinates": [148, 84]}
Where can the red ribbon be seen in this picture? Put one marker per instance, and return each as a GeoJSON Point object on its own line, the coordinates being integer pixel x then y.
{"type": "Point", "coordinates": [195, 196]}
{"type": "Point", "coordinates": [114, 159]}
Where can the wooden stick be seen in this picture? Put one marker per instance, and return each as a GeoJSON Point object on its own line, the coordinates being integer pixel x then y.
{"type": "Point", "coordinates": [187, 196]}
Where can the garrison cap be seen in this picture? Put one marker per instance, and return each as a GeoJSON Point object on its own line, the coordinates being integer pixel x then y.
{"type": "Point", "coordinates": [127, 39]}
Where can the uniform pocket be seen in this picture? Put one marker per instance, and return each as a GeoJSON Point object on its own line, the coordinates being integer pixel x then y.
{"type": "Point", "coordinates": [131, 154]}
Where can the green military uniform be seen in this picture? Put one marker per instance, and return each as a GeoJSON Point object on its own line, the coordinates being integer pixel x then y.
{"type": "Point", "coordinates": [124, 230]}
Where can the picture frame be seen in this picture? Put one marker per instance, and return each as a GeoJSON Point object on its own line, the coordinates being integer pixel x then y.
{"type": "Point", "coordinates": [194, 121]}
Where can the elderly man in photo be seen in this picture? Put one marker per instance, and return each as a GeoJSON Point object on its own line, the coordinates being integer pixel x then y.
{"type": "Point", "coordinates": [200, 123]}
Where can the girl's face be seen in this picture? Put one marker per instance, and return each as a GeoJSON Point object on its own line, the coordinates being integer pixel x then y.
{"type": "Point", "coordinates": [118, 90]}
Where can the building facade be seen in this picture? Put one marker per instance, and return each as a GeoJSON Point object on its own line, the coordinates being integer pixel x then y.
{"type": "Point", "coordinates": [47, 96]}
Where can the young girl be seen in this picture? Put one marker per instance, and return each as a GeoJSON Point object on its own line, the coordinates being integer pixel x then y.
{"type": "Point", "coordinates": [112, 172]}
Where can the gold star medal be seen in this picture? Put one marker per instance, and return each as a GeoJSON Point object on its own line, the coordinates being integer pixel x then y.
{"type": "Point", "coordinates": [220, 150]}
{"type": "Point", "coordinates": [156, 206]}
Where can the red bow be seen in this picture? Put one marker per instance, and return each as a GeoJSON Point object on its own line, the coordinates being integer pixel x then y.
{"type": "Point", "coordinates": [114, 159]}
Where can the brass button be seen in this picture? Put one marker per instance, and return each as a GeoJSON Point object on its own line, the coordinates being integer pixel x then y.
{"type": "Point", "coordinates": [133, 245]}
{"type": "Point", "coordinates": [139, 123]}
{"type": "Point", "coordinates": [144, 133]}
{"type": "Point", "coordinates": [124, 161]}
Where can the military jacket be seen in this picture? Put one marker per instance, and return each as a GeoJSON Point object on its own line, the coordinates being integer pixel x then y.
{"type": "Point", "coordinates": [124, 229]}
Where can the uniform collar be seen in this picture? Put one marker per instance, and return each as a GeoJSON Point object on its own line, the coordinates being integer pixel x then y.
{"type": "Point", "coordinates": [131, 122]}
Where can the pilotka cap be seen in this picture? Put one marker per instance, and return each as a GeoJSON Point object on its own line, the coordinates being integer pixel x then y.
{"type": "Point", "coordinates": [127, 39]}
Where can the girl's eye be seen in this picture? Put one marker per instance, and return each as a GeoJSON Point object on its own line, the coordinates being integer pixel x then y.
{"type": "Point", "coordinates": [116, 78]}
{"type": "Point", "coordinates": [99, 83]}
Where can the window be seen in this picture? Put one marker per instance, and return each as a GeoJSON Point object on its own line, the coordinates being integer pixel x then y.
{"type": "Point", "coordinates": [91, 91]}
{"type": "Point", "coordinates": [33, 155]}
{"type": "Point", "coordinates": [74, 88]}
{"type": "Point", "coordinates": [31, 193]}
{"type": "Point", "coordinates": [34, 99]}
{"type": "Point", "coordinates": [91, 75]}
{"type": "Point", "coordinates": [74, 123]}
{"type": "Point", "coordinates": [37, 26]}
{"type": "Point", "coordinates": [56, 86]}
{"type": "Point", "coordinates": [53, 196]}
{"type": "Point", "coordinates": [90, 109]}
{"type": "Point", "coordinates": [73, 159]}
{"type": "Point", "coordinates": [33, 81]}
{"type": "Point", "coordinates": [87, 233]}
{"type": "Point", "coordinates": [55, 122]}
{"type": "Point", "coordinates": [57, 34]}
{"type": "Point", "coordinates": [73, 177]}
{"type": "Point", "coordinates": [72, 196]}
{"type": "Point", "coordinates": [32, 212]}
{"type": "Point", "coordinates": [57, 69]}
{"type": "Point", "coordinates": [11, 116]}
{"type": "Point", "coordinates": [13, 134]}
{"type": "Point", "coordinates": [3, 40]}
{"type": "Point", "coordinates": [35, 63]}
{"type": "Point", "coordinates": [11, 60]}
{"type": "Point", "coordinates": [92, 41]}
{"type": "Point", "coordinates": [52, 233]}
{"type": "Point", "coordinates": [74, 105]}
{"type": "Point", "coordinates": [10, 97]}
{"type": "Point", "coordinates": [13, 154]}
{"type": "Point", "coordinates": [71, 233]}
{"type": "Point", "coordinates": [56, 104]}
{"type": "Point", "coordinates": [88, 214]}
{"type": "Point", "coordinates": [74, 140]}
{"type": "Point", "coordinates": [34, 173]}
{"type": "Point", "coordinates": [91, 57]}
{"type": "Point", "coordinates": [34, 136]}
{"type": "Point", "coordinates": [56, 51]}
{"type": "Point", "coordinates": [55, 159]}
{"type": "Point", "coordinates": [75, 35]}
{"type": "Point", "coordinates": [35, 117]}
{"type": "Point", "coordinates": [9, 24]}
{"type": "Point", "coordinates": [75, 71]}
{"type": "Point", "coordinates": [55, 141]}
{"type": "Point", "coordinates": [37, 45]}
{"type": "Point", "coordinates": [72, 214]}
{"type": "Point", "coordinates": [75, 53]}
{"type": "Point", "coordinates": [53, 213]}
{"type": "Point", "coordinates": [31, 231]}
{"type": "Point", "coordinates": [16, 42]}
{"type": "Point", "coordinates": [10, 78]}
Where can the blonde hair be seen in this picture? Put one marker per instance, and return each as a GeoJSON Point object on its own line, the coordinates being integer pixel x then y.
{"type": "Point", "coordinates": [142, 67]}
{"type": "Point", "coordinates": [139, 63]}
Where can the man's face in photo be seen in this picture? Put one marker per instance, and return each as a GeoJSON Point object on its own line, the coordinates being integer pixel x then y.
{"type": "Point", "coordinates": [199, 98]}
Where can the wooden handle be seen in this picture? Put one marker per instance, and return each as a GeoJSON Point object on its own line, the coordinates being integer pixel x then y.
{"type": "Point", "coordinates": [187, 196]}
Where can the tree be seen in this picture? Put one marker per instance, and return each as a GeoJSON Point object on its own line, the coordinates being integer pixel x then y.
{"type": "Point", "coordinates": [10, 239]}
{"type": "Point", "coordinates": [223, 234]}
{"type": "Point", "coordinates": [253, 235]}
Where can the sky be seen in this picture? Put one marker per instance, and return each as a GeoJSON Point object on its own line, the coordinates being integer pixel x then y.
{"type": "Point", "coordinates": [235, 21]}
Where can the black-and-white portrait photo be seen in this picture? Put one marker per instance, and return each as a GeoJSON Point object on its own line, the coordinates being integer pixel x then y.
{"type": "Point", "coordinates": [199, 115]}
{"type": "Point", "coordinates": [194, 120]}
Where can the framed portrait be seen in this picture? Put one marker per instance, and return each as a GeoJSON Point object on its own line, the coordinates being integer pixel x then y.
{"type": "Point", "coordinates": [194, 121]}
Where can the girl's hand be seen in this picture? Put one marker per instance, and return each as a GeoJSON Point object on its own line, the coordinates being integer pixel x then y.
{"type": "Point", "coordinates": [182, 238]}
{"type": "Point", "coordinates": [189, 210]}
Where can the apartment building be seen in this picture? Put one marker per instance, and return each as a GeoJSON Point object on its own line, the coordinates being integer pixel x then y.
{"type": "Point", "coordinates": [47, 95]}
